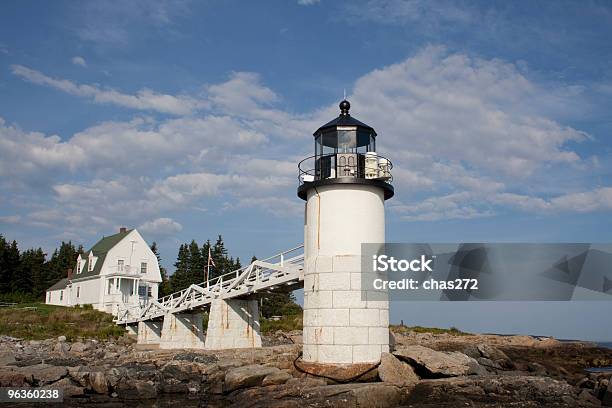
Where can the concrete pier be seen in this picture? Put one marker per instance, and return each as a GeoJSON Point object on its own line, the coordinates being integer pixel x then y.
{"type": "Point", "coordinates": [149, 332]}
{"type": "Point", "coordinates": [132, 330]}
{"type": "Point", "coordinates": [233, 323]}
{"type": "Point", "coordinates": [182, 330]}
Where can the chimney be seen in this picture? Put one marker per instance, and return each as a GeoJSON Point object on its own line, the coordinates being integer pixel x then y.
{"type": "Point", "coordinates": [69, 273]}
{"type": "Point", "coordinates": [122, 229]}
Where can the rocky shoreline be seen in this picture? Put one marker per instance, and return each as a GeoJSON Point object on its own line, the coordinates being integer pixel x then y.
{"type": "Point", "coordinates": [424, 370]}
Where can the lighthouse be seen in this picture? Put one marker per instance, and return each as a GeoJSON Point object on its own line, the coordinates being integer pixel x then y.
{"type": "Point", "coordinates": [345, 185]}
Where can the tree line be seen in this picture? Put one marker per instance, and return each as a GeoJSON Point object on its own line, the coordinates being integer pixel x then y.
{"type": "Point", "coordinates": [26, 275]}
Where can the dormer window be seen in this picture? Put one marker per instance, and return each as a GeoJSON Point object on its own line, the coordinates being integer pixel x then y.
{"type": "Point", "coordinates": [90, 263]}
{"type": "Point", "coordinates": [79, 266]}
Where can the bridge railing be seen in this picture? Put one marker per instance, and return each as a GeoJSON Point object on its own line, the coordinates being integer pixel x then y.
{"type": "Point", "coordinates": [258, 272]}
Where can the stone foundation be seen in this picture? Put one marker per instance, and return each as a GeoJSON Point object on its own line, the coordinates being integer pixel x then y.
{"type": "Point", "coordinates": [149, 332]}
{"type": "Point", "coordinates": [233, 323]}
{"type": "Point", "coordinates": [182, 330]}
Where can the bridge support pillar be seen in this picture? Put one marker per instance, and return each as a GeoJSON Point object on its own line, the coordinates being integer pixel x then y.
{"type": "Point", "coordinates": [149, 332]}
{"type": "Point", "coordinates": [233, 323]}
{"type": "Point", "coordinates": [131, 329]}
{"type": "Point", "coordinates": [182, 330]}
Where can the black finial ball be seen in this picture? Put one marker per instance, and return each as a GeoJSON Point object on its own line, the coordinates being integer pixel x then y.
{"type": "Point", "coordinates": [344, 107]}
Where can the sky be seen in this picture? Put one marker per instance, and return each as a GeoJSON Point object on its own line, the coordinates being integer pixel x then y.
{"type": "Point", "coordinates": [187, 120]}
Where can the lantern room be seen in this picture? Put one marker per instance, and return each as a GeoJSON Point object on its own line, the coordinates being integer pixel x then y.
{"type": "Point", "coordinates": [345, 152]}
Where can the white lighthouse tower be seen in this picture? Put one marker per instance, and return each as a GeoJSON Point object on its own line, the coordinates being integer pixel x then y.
{"type": "Point", "coordinates": [345, 185]}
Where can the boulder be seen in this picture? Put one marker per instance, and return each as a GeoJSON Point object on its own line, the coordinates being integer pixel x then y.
{"type": "Point", "coordinates": [396, 372]}
{"type": "Point", "coordinates": [607, 399]}
{"type": "Point", "coordinates": [78, 347]}
{"type": "Point", "coordinates": [247, 376]}
{"type": "Point", "coordinates": [61, 339]}
{"type": "Point", "coordinates": [6, 358]}
{"type": "Point", "coordinates": [374, 395]}
{"type": "Point", "coordinates": [69, 388]}
{"type": "Point", "coordinates": [137, 389]}
{"type": "Point", "coordinates": [277, 378]}
{"type": "Point", "coordinates": [43, 373]}
{"type": "Point", "coordinates": [61, 348]}
{"type": "Point", "coordinates": [440, 363]}
{"type": "Point", "coordinates": [491, 352]}
{"type": "Point", "coordinates": [12, 379]}
{"type": "Point", "coordinates": [98, 383]}
{"type": "Point", "coordinates": [378, 395]}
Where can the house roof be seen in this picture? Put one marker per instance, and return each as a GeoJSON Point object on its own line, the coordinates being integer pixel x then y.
{"type": "Point", "coordinates": [100, 249]}
{"type": "Point", "coordinates": [61, 284]}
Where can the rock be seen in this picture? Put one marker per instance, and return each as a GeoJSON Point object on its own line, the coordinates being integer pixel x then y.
{"type": "Point", "coordinates": [440, 363]}
{"type": "Point", "coordinates": [247, 376]}
{"type": "Point", "coordinates": [12, 379]}
{"type": "Point", "coordinates": [98, 383]}
{"type": "Point", "coordinates": [280, 377]}
{"type": "Point", "coordinates": [61, 348]}
{"type": "Point", "coordinates": [43, 373]}
{"type": "Point", "coordinates": [80, 375]}
{"type": "Point", "coordinates": [115, 375]}
{"type": "Point", "coordinates": [361, 372]}
{"type": "Point", "coordinates": [61, 339]}
{"type": "Point", "coordinates": [69, 388]}
{"type": "Point", "coordinates": [377, 395]}
{"type": "Point", "coordinates": [491, 352]}
{"type": "Point", "coordinates": [181, 371]}
{"type": "Point", "coordinates": [137, 389]}
{"type": "Point", "coordinates": [6, 358]}
{"type": "Point", "coordinates": [587, 396]}
{"type": "Point", "coordinates": [607, 399]}
{"type": "Point", "coordinates": [78, 347]}
{"type": "Point", "coordinates": [485, 362]}
{"type": "Point", "coordinates": [396, 372]}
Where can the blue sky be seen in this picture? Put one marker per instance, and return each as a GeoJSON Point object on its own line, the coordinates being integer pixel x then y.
{"type": "Point", "coordinates": [187, 119]}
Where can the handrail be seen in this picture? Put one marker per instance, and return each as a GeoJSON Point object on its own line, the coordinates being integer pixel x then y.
{"type": "Point", "coordinates": [258, 275]}
{"type": "Point", "coordinates": [364, 167]}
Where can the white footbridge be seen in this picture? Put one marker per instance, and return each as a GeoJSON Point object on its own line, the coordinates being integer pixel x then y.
{"type": "Point", "coordinates": [175, 320]}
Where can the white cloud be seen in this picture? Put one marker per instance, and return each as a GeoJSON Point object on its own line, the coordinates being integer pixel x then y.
{"type": "Point", "coordinates": [161, 226]}
{"type": "Point", "coordinates": [468, 138]}
{"type": "Point", "coordinates": [308, 2]}
{"type": "Point", "coordinates": [9, 219]}
{"type": "Point", "coordinates": [79, 61]}
{"type": "Point", "coordinates": [145, 99]}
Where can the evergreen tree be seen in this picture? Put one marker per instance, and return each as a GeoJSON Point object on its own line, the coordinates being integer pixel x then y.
{"type": "Point", "coordinates": [62, 259]}
{"type": "Point", "coordinates": [31, 268]}
{"type": "Point", "coordinates": [9, 264]}
{"type": "Point", "coordinates": [196, 263]}
{"type": "Point", "coordinates": [180, 279]}
{"type": "Point", "coordinates": [164, 288]}
{"type": "Point", "coordinates": [219, 254]}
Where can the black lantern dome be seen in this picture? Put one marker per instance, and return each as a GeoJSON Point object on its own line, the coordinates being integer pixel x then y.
{"type": "Point", "coordinates": [345, 152]}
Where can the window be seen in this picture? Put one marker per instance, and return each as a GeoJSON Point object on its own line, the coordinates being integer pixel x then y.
{"type": "Point", "coordinates": [78, 291]}
{"type": "Point", "coordinates": [49, 300]}
{"type": "Point", "coordinates": [120, 264]}
{"type": "Point", "coordinates": [149, 292]}
{"type": "Point", "coordinates": [90, 263]}
{"type": "Point", "coordinates": [110, 286]}
{"type": "Point", "coordinates": [143, 267]}
{"type": "Point", "coordinates": [61, 295]}
{"type": "Point", "coordinates": [79, 266]}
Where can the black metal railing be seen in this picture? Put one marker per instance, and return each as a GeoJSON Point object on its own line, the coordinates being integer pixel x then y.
{"type": "Point", "coordinates": [370, 166]}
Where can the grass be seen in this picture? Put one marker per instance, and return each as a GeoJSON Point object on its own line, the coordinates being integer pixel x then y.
{"type": "Point", "coordinates": [38, 321]}
{"type": "Point", "coordinates": [433, 330]}
{"type": "Point", "coordinates": [286, 323]}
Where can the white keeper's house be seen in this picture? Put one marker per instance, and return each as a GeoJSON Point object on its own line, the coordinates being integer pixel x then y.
{"type": "Point", "coordinates": [118, 270]}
